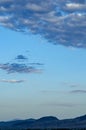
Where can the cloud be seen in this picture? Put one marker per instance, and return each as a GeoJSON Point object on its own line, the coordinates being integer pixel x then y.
{"type": "Point", "coordinates": [69, 84]}
{"type": "Point", "coordinates": [36, 64]}
{"type": "Point", "coordinates": [21, 66]}
{"type": "Point", "coordinates": [59, 21]}
{"type": "Point", "coordinates": [78, 91]}
{"type": "Point", "coordinates": [52, 92]}
{"type": "Point", "coordinates": [21, 58]}
{"type": "Point", "coordinates": [11, 81]}
{"type": "Point", "coordinates": [63, 105]}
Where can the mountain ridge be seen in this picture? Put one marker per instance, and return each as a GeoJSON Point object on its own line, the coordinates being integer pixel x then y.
{"type": "Point", "coordinates": [47, 122]}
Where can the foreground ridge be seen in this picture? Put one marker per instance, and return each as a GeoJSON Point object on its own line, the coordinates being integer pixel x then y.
{"type": "Point", "coordinates": [46, 123]}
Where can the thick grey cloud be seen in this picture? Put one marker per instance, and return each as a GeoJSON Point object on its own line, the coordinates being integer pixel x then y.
{"type": "Point", "coordinates": [59, 21]}
{"type": "Point", "coordinates": [11, 81]}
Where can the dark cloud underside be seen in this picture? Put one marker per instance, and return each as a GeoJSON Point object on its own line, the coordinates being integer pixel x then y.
{"type": "Point", "coordinates": [59, 21]}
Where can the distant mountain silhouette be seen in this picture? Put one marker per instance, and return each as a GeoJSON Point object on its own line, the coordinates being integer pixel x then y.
{"type": "Point", "coordinates": [81, 118]}
{"type": "Point", "coordinates": [48, 122]}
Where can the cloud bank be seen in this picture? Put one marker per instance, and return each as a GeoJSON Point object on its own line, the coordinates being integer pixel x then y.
{"type": "Point", "coordinates": [61, 22]}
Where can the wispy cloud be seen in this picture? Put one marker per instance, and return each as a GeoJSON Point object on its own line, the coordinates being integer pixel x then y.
{"type": "Point", "coordinates": [11, 81]}
{"type": "Point", "coordinates": [78, 91]}
{"type": "Point", "coordinates": [53, 92]}
{"type": "Point", "coordinates": [70, 84]}
{"type": "Point", "coordinates": [59, 21]}
{"type": "Point", "coordinates": [63, 105]}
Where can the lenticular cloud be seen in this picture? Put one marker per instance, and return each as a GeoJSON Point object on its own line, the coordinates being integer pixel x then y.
{"type": "Point", "coordinates": [59, 21]}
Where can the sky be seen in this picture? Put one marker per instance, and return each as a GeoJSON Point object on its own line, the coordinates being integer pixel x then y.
{"type": "Point", "coordinates": [42, 58]}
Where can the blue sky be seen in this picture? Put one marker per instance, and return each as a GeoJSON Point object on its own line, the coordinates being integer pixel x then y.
{"type": "Point", "coordinates": [42, 59]}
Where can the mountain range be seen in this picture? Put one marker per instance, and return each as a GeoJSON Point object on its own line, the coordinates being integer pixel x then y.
{"type": "Point", "coordinates": [48, 122]}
